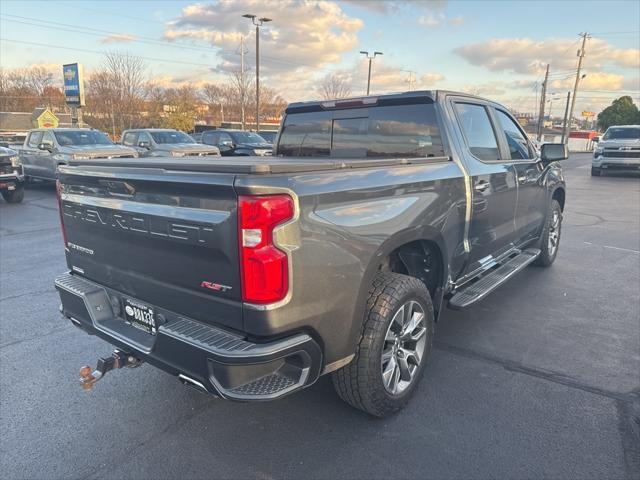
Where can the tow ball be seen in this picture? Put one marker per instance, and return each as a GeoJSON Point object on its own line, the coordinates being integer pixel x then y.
{"type": "Point", "coordinates": [118, 359]}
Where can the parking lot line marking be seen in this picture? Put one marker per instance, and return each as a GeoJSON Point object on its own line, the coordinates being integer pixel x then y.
{"type": "Point", "coordinates": [613, 248]}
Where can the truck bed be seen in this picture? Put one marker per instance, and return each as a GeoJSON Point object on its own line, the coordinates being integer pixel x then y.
{"type": "Point", "coordinates": [252, 165]}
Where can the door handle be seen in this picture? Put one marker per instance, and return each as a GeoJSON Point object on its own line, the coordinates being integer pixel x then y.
{"type": "Point", "coordinates": [481, 186]}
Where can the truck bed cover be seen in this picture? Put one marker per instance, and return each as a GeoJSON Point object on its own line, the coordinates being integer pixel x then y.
{"type": "Point", "coordinates": [252, 165]}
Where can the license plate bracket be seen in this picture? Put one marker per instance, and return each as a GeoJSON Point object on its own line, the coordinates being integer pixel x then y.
{"type": "Point", "coordinates": [140, 316]}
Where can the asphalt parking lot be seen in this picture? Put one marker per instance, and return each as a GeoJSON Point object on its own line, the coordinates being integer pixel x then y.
{"type": "Point", "coordinates": [542, 379]}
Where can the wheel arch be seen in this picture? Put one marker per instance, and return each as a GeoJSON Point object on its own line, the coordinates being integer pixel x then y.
{"type": "Point", "coordinates": [403, 241]}
{"type": "Point", "coordinates": [559, 194]}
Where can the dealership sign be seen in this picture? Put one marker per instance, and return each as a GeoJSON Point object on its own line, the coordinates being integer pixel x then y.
{"type": "Point", "coordinates": [588, 114]}
{"type": "Point", "coordinates": [73, 84]}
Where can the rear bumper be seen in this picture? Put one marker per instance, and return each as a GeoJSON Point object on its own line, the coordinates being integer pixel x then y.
{"type": "Point", "coordinates": [203, 356]}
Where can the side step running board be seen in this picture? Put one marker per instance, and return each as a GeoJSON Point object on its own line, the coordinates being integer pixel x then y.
{"type": "Point", "coordinates": [492, 280]}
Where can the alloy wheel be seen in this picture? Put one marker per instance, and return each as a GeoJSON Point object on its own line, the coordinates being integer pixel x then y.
{"type": "Point", "coordinates": [404, 346]}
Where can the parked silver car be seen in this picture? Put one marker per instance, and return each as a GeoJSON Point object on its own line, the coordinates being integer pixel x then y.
{"type": "Point", "coordinates": [156, 142]}
{"type": "Point", "coordinates": [618, 150]}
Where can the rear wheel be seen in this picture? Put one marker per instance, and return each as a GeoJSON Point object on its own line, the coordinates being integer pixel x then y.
{"type": "Point", "coordinates": [14, 196]}
{"type": "Point", "coordinates": [550, 240]}
{"type": "Point", "coordinates": [394, 347]}
{"type": "Point", "coordinates": [596, 172]}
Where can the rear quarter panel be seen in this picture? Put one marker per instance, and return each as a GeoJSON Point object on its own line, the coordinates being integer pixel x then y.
{"type": "Point", "coordinates": [349, 221]}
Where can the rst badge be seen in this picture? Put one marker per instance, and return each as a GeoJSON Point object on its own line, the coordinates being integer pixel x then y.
{"type": "Point", "coordinates": [216, 287]}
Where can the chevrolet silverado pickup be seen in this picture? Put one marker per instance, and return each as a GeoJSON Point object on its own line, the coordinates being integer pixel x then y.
{"type": "Point", "coordinates": [45, 149]}
{"type": "Point", "coordinates": [250, 278]}
{"type": "Point", "coordinates": [617, 151]}
{"type": "Point", "coordinates": [164, 142]}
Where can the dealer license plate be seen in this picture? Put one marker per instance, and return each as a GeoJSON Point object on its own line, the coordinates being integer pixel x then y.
{"type": "Point", "coordinates": [140, 316]}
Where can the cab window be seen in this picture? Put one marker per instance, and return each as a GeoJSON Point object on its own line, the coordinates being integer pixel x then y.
{"type": "Point", "coordinates": [47, 138]}
{"type": "Point", "coordinates": [129, 139]}
{"type": "Point", "coordinates": [35, 139]}
{"type": "Point", "coordinates": [476, 126]}
{"type": "Point", "coordinates": [519, 148]}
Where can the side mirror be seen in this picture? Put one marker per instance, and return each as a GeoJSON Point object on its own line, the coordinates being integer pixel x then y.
{"type": "Point", "coordinates": [144, 145]}
{"type": "Point", "coordinates": [552, 152]}
{"type": "Point", "coordinates": [226, 146]}
{"type": "Point", "coordinates": [595, 139]}
{"type": "Point", "coordinates": [45, 146]}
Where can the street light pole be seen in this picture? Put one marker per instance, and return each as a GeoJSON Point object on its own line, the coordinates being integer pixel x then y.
{"type": "Point", "coordinates": [258, 22]}
{"type": "Point", "coordinates": [366, 54]}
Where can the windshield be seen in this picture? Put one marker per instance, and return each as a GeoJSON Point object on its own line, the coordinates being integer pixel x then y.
{"type": "Point", "coordinates": [622, 133]}
{"type": "Point", "coordinates": [247, 137]}
{"type": "Point", "coordinates": [171, 137]}
{"type": "Point", "coordinates": [81, 137]}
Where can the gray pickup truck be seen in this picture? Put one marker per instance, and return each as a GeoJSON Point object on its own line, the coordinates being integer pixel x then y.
{"type": "Point", "coordinates": [249, 278]}
{"type": "Point", "coordinates": [45, 149]}
{"type": "Point", "coordinates": [164, 142]}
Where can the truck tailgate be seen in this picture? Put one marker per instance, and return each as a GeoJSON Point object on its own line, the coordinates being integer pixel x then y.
{"type": "Point", "coordinates": [164, 237]}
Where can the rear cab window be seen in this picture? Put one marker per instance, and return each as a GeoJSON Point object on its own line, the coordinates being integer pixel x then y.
{"type": "Point", "coordinates": [385, 131]}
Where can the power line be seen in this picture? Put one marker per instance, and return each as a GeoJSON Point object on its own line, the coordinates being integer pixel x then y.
{"type": "Point", "coordinates": [100, 52]}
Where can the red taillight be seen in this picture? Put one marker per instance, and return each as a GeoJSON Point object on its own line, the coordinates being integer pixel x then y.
{"type": "Point", "coordinates": [264, 268]}
{"type": "Point", "coordinates": [59, 196]}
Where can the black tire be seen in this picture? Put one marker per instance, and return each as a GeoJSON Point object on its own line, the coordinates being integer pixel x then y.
{"type": "Point", "coordinates": [596, 172]}
{"type": "Point", "coordinates": [547, 253]}
{"type": "Point", "coordinates": [14, 196]}
{"type": "Point", "coordinates": [360, 383]}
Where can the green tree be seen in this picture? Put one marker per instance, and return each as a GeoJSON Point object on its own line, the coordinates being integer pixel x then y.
{"type": "Point", "coordinates": [621, 112]}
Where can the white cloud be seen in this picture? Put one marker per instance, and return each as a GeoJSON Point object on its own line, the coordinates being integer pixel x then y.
{"type": "Point", "coordinates": [302, 34]}
{"type": "Point", "coordinates": [524, 55]}
{"type": "Point", "coordinates": [119, 38]}
{"type": "Point", "coordinates": [456, 21]}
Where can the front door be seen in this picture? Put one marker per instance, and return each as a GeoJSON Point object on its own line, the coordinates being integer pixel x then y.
{"type": "Point", "coordinates": [30, 155]}
{"type": "Point", "coordinates": [532, 193]}
{"type": "Point", "coordinates": [493, 185]}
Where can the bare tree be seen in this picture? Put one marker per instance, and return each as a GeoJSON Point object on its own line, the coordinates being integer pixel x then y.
{"type": "Point", "coordinates": [334, 86]}
{"type": "Point", "coordinates": [39, 79]}
{"type": "Point", "coordinates": [116, 92]}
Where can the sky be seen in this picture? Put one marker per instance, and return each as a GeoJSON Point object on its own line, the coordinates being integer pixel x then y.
{"type": "Point", "coordinates": [497, 49]}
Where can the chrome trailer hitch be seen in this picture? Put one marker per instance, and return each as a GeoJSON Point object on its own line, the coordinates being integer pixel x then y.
{"type": "Point", "coordinates": [118, 359]}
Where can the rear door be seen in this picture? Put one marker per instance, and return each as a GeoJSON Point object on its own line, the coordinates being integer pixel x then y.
{"type": "Point", "coordinates": [532, 193]}
{"type": "Point", "coordinates": [161, 237]}
{"type": "Point", "coordinates": [493, 183]}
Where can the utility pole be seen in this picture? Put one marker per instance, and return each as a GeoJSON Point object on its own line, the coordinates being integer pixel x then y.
{"type": "Point", "coordinates": [542, 103]}
{"type": "Point", "coordinates": [411, 80]}
{"type": "Point", "coordinates": [258, 22]}
{"type": "Point", "coordinates": [566, 112]}
{"type": "Point", "coordinates": [366, 54]}
{"type": "Point", "coordinates": [243, 86]}
{"type": "Point", "coordinates": [567, 126]}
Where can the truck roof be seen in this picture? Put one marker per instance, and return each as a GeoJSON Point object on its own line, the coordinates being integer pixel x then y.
{"type": "Point", "coordinates": [417, 96]}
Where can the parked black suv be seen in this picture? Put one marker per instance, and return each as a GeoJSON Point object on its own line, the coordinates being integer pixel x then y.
{"type": "Point", "coordinates": [237, 143]}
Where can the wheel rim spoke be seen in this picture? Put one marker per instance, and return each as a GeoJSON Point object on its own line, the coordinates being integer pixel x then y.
{"type": "Point", "coordinates": [405, 373]}
{"type": "Point", "coordinates": [403, 347]}
{"type": "Point", "coordinates": [389, 375]}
